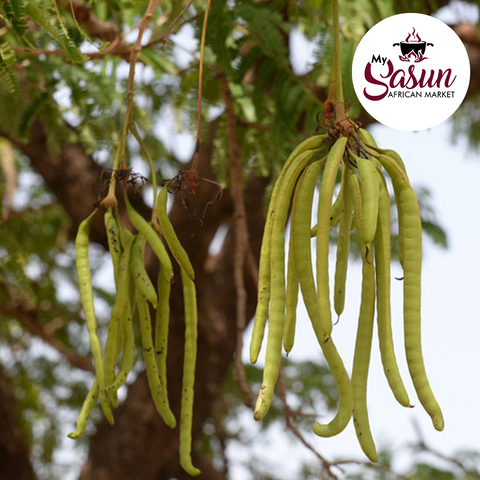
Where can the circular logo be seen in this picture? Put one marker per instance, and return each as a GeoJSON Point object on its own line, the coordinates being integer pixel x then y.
{"type": "Point", "coordinates": [411, 71]}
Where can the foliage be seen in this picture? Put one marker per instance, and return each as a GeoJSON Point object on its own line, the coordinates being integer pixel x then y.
{"type": "Point", "coordinates": [53, 70]}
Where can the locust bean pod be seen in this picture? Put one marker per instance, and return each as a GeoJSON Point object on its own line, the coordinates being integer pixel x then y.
{"type": "Point", "coordinates": [382, 277]}
{"type": "Point", "coordinates": [345, 394]}
{"type": "Point", "coordinates": [401, 235]}
{"type": "Point", "coordinates": [373, 149]}
{"type": "Point", "coordinates": [112, 347]}
{"type": "Point", "coordinates": [87, 407]}
{"type": "Point", "coordinates": [151, 237]}
{"type": "Point", "coordinates": [370, 186]}
{"type": "Point", "coordinates": [367, 138]}
{"type": "Point", "coordinates": [190, 356]}
{"type": "Point", "coordinates": [162, 318]}
{"type": "Point", "coordinates": [140, 275]}
{"type": "Point", "coordinates": [170, 236]}
{"type": "Point", "coordinates": [128, 353]}
{"type": "Point", "coordinates": [263, 295]}
{"type": "Point", "coordinates": [125, 235]}
{"type": "Point", "coordinates": [361, 363]}
{"type": "Point", "coordinates": [300, 232]}
{"type": "Point", "coordinates": [264, 272]}
{"type": "Point", "coordinates": [336, 209]}
{"type": "Point", "coordinates": [412, 289]}
{"type": "Point", "coordinates": [292, 298]}
{"type": "Point", "coordinates": [159, 398]}
{"type": "Point", "coordinates": [113, 238]}
{"type": "Point", "coordinates": [277, 306]}
{"type": "Point", "coordinates": [363, 342]}
{"type": "Point", "coordinates": [327, 186]}
{"type": "Point", "coordinates": [86, 293]}
{"type": "Point", "coordinates": [343, 247]}
{"type": "Point", "coordinates": [301, 243]}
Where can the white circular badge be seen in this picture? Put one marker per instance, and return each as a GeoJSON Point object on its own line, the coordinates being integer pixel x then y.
{"type": "Point", "coordinates": [411, 71]}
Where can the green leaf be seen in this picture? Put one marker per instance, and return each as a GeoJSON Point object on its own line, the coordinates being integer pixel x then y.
{"type": "Point", "coordinates": [7, 77]}
{"type": "Point", "coordinates": [15, 13]}
{"type": "Point", "coordinates": [58, 33]}
{"type": "Point", "coordinates": [157, 62]}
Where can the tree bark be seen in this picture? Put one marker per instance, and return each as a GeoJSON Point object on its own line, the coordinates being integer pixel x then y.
{"type": "Point", "coordinates": [14, 454]}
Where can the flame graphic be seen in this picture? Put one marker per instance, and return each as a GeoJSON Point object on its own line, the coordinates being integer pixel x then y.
{"type": "Point", "coordinates": [415, 37]}
{"type": "Point", "coordinates": [420, 58]}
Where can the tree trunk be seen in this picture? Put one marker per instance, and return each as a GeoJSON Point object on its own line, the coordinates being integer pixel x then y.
{"type": "Point", "coordinates": [14, 454]}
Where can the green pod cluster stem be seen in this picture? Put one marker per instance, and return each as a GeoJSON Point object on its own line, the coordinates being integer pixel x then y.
{"type": "Point", "coordinates": [362, 205]}
{"type": "Point", "coordinates": [136, 297]}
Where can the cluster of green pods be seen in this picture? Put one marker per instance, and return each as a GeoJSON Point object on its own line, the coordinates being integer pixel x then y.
{"type": "Point", "coordinates": [362, 205]}
{"type": "Point", "coordinates": [136, 297]}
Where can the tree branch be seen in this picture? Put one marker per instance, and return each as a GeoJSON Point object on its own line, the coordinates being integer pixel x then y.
{"type": "Point", "coordinates": [32, 323]}
{"type": "Point", "coordinates": [242, 242]}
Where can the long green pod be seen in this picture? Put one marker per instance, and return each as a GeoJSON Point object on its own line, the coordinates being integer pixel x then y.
{"type": "Point", "coordinates": [125, 235]}
{"type": "Point", "coordinates": [345, 394]}
{"type": "Point", "coordinates": [363, 342]}
{"type": "Point", "coordinates": [301, 221]}
{"type": "Point", "coordinates": [412, 289]}
{"type": "Point", "coordinates": [128, 352]}
{"type": "Point", "coordinates": [86, 293]}
{"type": "Point", "coordinates": [301, 244]}
{"type": "Point", "coordinates": [292, 298]}
{"type": "Point", "coordinates": [112, 349]}
{"type": "Point", "coordinates": [277, 307]}
{"type": "Point", "coordinates": [370, 185]}
{"type": "Point", "coordinates": [151, 237]}
{"type": "Point", "coordinates": [264, 272]}
{"type": "Point", "coordinates": [113, 238]}
{"type": "Point", "coordinates": [159, 398]}
{"type": "Point", "coordinates": [361, 362]}
{"type": "Point", "coordinates": [264, 282]}
{"type": "Point", "coordinates": [87, 407]}
{"type": "Point", "coordinates": [190, 357]}
{"type": "Point", "coordinates": [162, 319]}
{"type": "Point", "coordinates": [376, 152]}
{"type": "Point", "coordinates": [139, 272]}
{"type": "Point", "coordinates": [382, 277]}
{"type": "Point", "coordinates": [170, 236]}
{"type": "Point", "coordinates": [327, 185]}
{"type": "Point", "coordinates": [372, 148]}
{"type": "Point", "coordinates": [367, 138]}
{"type": "Point", "coordinates": [336, 210]}
{"type": "Point", "coordinates": [343, 247]}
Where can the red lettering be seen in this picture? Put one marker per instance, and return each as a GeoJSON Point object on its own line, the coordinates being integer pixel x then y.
{"type": "Point", "coordinates": [447, 72]}
{"type": "Point", "coordinates": [399, 79]}
{"type": "Point", "coordinates": [371, 79]}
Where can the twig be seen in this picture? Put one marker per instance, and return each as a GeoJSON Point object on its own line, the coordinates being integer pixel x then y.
{"type": "Point", "coordinates": [194, 167]}
{"type": "Point", "coordinates": [289, 420]}
{"type": "Point", "coordinates": [428, 449]}
{"type": "Point", "coordinates": [242, 240]}
{"type": "Point", "coordinates": [172, 25]}
{"type": "Point", "coordinates": [110, 201]}
{"type": "Point", "coordinates": [370, 465]}
{"type": "Point", "coordinates": [35, 327]}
